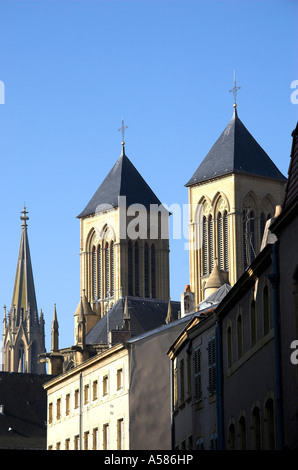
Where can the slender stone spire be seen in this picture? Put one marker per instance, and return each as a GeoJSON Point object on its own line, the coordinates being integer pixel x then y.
{"type": "Point", "coordinates": [55, 332]}
{"type": "Point", "coordinates": [24, 290]}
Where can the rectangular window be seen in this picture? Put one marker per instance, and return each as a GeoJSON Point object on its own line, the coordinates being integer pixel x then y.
{"type": "Point", "coordinates": [106, 437]}
{"type": "Point", "coordinates": [175, 384]}
{"type": "Point", "coordinates": [95, 439]}
{"type": "Point", "coordinates": [119, 379]}
{"type": "Point", "coordinates": [86, 394]}
{"type": "Point", "coordinates": [86, 440]}
{"type": "Point", "coordinates": [120, 434]}
{"type": "Point", "coordinates": [105, 385]}
{"type": "Point", "coordinates": [58, 409]}
{"type": "Point", "coordinates": [50, 413]}
{"type": "Point", "coordinates": [211, 366]}
{"type": "Point", "coordinates": [67, 444]}
{"type": "Point", "coordinates": [94, 389]}
{"type": "Point", "coordinates": [76, 398]}
{"type": "Point", "coordinates": [76, 442]}
{"type": "Point", "coordinates": [67, 403]}
{"type": "Point", "coordinates": [197, 375]}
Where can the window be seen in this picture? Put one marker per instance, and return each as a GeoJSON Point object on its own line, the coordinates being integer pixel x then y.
{"type": "Point", "coordinates": [249, 253]}
{"type": "Point", "coordinates": [94, 389]}
{"type": "Point", "coordinates": [211, 366]}
{"type": "Point", "coordinates": [105, 385]}
{"type": "Point", "coordinates": [86, 440]}
{"type": "Point", "coordinates": [76, 398]}
{"type": "Point", "coordinates": [205, 247]}
{"type": "Point", "coordinates": [67, 404]}
{"type": "Point", "coordinates": [76, 442]}
{"type": "Point", "coordinates": [86, 394]}
{"type": "Point", "coordinates": [120, 434]}
{"type": "Point", "coordinates": [119, 379]}
{"type": "Point", "coordinates": [95, 439]}
{"type": "Point", "coordinates": [210, 243]}
{"type": "Point", "coordinates": [94, 270]}
{"type": "Point", "coordinates": [67, 444]}
{"type": "Point", "coordinates": [106, 437]}
{"type": "Point", "coordinates": [175, 384]}
{"type": "Point", "coordinates": [197, 375]}
{"type": "Point", "coordinates": [50, 413]}
{"type": "Point", "coordinates": [58, 408]}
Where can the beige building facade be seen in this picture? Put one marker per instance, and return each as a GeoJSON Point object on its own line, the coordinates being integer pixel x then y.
{"type": "Point", "coordinates": [88, 406]}
{"type": "Point", "coordinates": [232, 194]}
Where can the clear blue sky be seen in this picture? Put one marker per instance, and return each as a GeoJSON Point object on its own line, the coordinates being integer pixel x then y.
{"type": "Point", "coordinates": [73, 69]}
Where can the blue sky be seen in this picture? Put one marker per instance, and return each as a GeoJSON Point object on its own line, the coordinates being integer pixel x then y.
{"type": "Point", "coordinates": [73, 69]}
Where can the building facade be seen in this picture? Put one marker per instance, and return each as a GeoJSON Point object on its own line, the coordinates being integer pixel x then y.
{"type": "Point", "coordinates": [112, 401]}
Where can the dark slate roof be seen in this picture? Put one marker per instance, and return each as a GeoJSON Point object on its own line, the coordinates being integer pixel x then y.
{"type": "Point", "coordinates": [145, 315]}
{"type": "Point", "coordinates": [292, 184]}
{"type": "Point", "coordinates": [24, 411]}
{"type": "Point", "coordinates": [235, 151]}
{"type": "Point", "coordinates": [123, 180]}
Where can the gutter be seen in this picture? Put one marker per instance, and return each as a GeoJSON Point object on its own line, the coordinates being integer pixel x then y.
{"type": "Point", "coordinates": [274, 278]}
{"type": "Point", "coordinates": [219, 384]}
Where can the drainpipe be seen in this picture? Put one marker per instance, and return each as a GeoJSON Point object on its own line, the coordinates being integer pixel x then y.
{"type": "Point", "coordinates": [219, 384]}
{"type": "Point", "coordinates": [80, 411]}
{"type": "Point", "coordinates": [274, 280]}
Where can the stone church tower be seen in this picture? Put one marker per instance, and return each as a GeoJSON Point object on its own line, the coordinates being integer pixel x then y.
{"type": "Point", "coordinates": [23, 328]}
{"type": "Point", "coordinates": [124, 242]}
{"type": "Point", "coordinates": [232, 194]}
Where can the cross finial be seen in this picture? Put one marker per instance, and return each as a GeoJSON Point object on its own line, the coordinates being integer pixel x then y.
{"type": "Point", "coordinates": [122, 129]}
{"type": "Point", "coordinates": [24, 217]}
{"type": "Point", "coordinates": [234, 90]}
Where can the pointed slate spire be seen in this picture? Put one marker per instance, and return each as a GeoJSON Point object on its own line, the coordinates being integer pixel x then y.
{"type": "Point", "coordinates": [24, 290]}
{"type": "Point", "coordinates": [235, 151]}
{"type": "Point", "coordinates": [122, 180]}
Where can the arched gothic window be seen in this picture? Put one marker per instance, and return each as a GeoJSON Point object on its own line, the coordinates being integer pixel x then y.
{"type": "Point", "coordinates": [222, 240]}
{"type": "Point", "coordinates": [21, 358]}
{"type": "Point", "coordinates": [249, 251]}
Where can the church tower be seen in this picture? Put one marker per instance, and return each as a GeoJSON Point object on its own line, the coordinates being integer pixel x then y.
{"type": "Point", "coordinates": [124, 242]}
{"type": "Point", "coordinates": [23, 328]}
{"type": "Point", "coordinates": [232, 194]}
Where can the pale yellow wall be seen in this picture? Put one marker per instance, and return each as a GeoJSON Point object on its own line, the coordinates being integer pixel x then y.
{"type": "Point", "coordinates": [233, 189]}
{"type": "Point", "coordinates": [96, 413]}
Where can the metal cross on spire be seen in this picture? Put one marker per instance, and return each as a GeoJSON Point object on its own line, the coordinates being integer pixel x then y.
{"type": "Point", "coordinates": [24, 217]}
{"type": "Point", "coordinates": [122, 129]}
{"type": "Point", "coordinates": [234, 90]}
